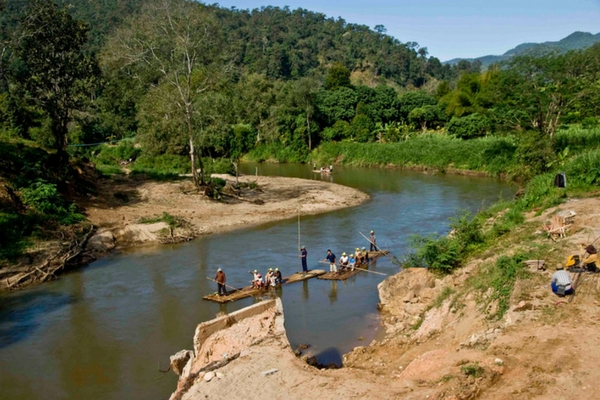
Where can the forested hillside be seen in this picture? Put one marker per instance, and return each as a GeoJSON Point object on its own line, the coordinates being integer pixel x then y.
{"type": "Point", "coordinates": [175, 86]}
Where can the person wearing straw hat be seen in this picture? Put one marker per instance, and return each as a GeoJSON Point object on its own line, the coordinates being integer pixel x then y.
{"type": "Point", "coordinates": [358, 256]}
{"type": "Point", "coordinates": [303, 254]}
{"type": "Point", "coordinates": [344, 260]}
{"type": "Point", "coordinates": [365, 254]}
{"type": "Point", "coordinates": [373, 241]}
{"type": "Point", "coordinates": [590, 261]}
{"type": "Point", "coordinates": [561, 282]}
{"type": "Point", "coordinates": [221, 281]}
{"type": "Point", "coordinates": [278, 277]}
{"type": "Point", "coordinates": [268, 276]}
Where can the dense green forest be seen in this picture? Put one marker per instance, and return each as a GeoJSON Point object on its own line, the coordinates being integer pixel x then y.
{"type": "Point", "coordinates": [176, 86]}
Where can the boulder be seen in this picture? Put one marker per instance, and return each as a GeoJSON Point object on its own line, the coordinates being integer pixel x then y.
{"type": "Point", "coordinates": [180, 359]}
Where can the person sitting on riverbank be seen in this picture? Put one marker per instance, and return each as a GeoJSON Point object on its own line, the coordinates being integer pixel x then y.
{"type": "Point", "coordinates": [278, 277]}
{"type": "Point", "coordinates": [221, 280]}
{"type": "Point", "coordinates": [352, 262]}
{"type": "Point", "coordinates": [344, 261]}
{"type": "Point", "coordinates": [561, 282]}
{"type": "Point", "coordinates": [590, 262]}
{"type": "Point", "coordinates": [332, 261]}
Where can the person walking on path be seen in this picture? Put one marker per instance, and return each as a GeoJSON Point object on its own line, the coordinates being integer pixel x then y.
{"type": "Point", "coordinates": [221, 281]}
{"type": "Point", "coordinates": [303, 254]}
{"type": "Point", "coordinates": [373, 241]}
{"type": "Point", "coordinates": [331, 258]}
{"type": "Point", "coordinates": [561, 282]}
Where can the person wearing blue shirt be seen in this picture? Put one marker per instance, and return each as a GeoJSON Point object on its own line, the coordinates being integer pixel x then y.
{"type": "Point", "coordinates": [303, 254]}
{"type": "Point", "coordinates": [331, 258]}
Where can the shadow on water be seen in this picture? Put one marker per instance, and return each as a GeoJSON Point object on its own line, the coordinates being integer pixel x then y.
{"type": "Point", "coordinates": [20, 314]}
{"type": "Point", "coordinates": [329, 356]}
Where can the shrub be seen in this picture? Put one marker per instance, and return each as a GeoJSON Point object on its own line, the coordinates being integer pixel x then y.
{"type": "Point", "coordinates": [469, 127]}
{"type": "Point", "coordinates": [45, 199]}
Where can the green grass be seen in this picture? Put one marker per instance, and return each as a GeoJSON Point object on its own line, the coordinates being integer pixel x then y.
{"type": "Point", "coordinates": [493, 155]}
{"type": "Point", "coordinates": [172, 221]}
{"type": "Point", "coordinates": [501, 277]}
{"type": "Point", "coordinates": [473, 370]}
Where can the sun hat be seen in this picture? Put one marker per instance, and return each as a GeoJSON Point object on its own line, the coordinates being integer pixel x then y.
{"type": "Point", "coordinates": [219, 270]}
{"type": "Point", "coordinates": [372, 232]}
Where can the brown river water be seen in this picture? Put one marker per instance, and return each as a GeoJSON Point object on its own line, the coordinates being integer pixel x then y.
{"type": "Point", "coordinates": [103, 331]}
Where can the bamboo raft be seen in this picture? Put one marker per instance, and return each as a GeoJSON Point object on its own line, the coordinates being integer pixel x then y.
{"type": "Point", "coordinates": [249, 291]}
{"type": "Point", "coordinates": [347, 273]}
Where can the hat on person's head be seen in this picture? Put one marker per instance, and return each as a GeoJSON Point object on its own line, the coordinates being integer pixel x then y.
{"type": "Point", "coordinates": [219, 270]}
{"type": "Point", "coordinates": [357, 248]}
{"type": "Point", "coordinates": [372, 232]}
{"type": "Point", "coordinates": [276, 269]}
{"type": "Point", "coordinates": [559, 267]}
{"type": "Point", "coordinates": [364, 248]}
{"type": "Point", "coordinates": [255, 271]}
{"type": "Point", "coordinates": [591, 249]}
{"type": "Point", "coordinates": [344, 253]}
{"type": "Point", "coordinates": [303, 247]}
{"type": "Point", "coordinates": [270, 269]}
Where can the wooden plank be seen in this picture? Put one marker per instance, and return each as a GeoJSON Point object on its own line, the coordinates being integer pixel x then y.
{"type": "Point", "coordinates": [345, 274]}
{"type": "Point", "coordinates": [249, 291]}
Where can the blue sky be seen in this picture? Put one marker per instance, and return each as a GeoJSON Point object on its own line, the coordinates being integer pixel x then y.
{"type": "Point", "coordinates": [458, 28]}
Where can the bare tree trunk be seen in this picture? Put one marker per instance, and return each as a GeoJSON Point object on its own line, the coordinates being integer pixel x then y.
{"type": "Point", "coordinates": [193, 161]}
{"type": "Point", "coordinates": [309, 135]}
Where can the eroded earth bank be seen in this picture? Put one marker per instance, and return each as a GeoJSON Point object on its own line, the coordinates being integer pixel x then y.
{"type": "Point", "coordinates": [446, 338]}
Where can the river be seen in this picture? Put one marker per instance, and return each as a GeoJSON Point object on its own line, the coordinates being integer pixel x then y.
{"type": "Point", "coordinates": [102, 331]}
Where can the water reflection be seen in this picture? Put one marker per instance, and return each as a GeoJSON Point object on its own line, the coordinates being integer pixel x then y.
{"type": "Point", "coordinates": [20, 313]}
{"type": "Point", "coordinates": [333, 292]}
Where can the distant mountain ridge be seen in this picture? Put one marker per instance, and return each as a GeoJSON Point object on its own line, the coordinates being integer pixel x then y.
{"type": "Point", "coordinates": [575, 41]}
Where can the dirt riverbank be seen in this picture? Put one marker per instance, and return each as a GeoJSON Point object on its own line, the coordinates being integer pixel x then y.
{"type": "Point", "coordinates": [129, 212]}
{"type": "Point", "coordinates": [442, 340]}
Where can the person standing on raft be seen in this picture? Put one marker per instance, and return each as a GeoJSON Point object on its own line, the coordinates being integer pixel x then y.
{"type": "Point", "coordinates": [303, 254]}
{"type": "Point", "coordinates": [373, 241]}
{"type": "Point", "coordinates": [221, 280]}
{"type": "Point", "coordinates": [331, 258]}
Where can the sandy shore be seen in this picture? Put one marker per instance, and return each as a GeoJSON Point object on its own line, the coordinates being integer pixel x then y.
{"type": "Point", "coordinates": [121, 204]}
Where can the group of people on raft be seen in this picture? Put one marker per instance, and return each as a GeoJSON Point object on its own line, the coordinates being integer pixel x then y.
{"type": "Point", "coordinates": [351, 261]}
{"type": "Point", "coordinates": [562, 283]}
{"type": "Point", "coordinates": [272, 278]}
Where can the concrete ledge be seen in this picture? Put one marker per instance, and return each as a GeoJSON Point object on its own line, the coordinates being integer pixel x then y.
{"type": "Point", "coordinates": [206, 329]}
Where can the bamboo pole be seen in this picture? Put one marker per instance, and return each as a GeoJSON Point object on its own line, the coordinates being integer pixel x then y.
{"type": "Point", "coordinates": [299, 252]}
{"type": "Point", "coordinates": [231, 287]}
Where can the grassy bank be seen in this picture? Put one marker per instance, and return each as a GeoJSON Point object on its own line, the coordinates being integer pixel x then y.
{"type": "Point", "coordinates": [493, 155]}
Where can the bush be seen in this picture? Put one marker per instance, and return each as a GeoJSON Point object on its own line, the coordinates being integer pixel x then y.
{"type": "Point", "coordinates": [45, 199]}
{"type": "Point", "coordinates": [111, 154]}
{"type": "Point", "coordinates": [469, 127]}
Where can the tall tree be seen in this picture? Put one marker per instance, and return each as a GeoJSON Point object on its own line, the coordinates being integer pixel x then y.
{"type": "Point", "coordinates": [181, 41]}
{"type": "Point", "coordinates": [304, 93]}
{"type": "Point", "coordinates": [58, 76]}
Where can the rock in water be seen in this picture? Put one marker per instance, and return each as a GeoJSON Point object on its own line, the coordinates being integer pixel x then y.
{"type": "Point", "coordinates": [179, 360]}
